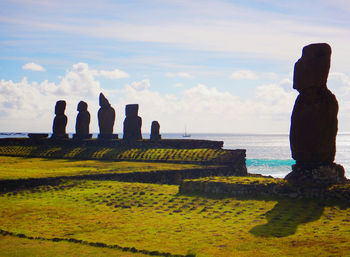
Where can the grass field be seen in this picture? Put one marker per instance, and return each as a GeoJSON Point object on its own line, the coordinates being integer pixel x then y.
{"type": "Point", "coordinates": [101, 218]}
{"type": "Point", "coordinates": [22, 168]}
{"type": "Point", "coordinates": [11, 246]}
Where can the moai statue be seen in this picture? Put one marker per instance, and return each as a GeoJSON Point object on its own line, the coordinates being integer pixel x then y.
{"type": "Point", "coordinates": [60, 121]}
{"type": "Point", "coordinates": [155, 136]}
{"type": "Point", "coordinates": [83, 122]}
{"type": "Point", "coordinates": [314, 121]}
{"type": "Point", "coordinates": [106, 118]}
{"type": "Point", "coordinates": [132, 123]}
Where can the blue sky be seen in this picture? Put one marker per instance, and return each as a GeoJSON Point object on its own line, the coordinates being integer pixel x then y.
{"type": "Point", "coordinates": [213, 66]}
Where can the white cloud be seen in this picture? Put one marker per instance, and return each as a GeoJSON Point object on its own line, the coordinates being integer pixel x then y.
{"type": "Point", "coordinates": [184, 75]}
{"type": "Point", "coordinates": [207, 109]}
{"type": "Point", "coordinates": [251, 75]}
{"type": "Point", "coordinates": [114, 74]}
{"type": "Point", "coordinates": [178, 85]}
{"type": "Point", "coordinates": [286, 83]}
{"type": "Point", "coordinates": [33, 67]}
{"type": "Point", "coordinates": [273, 101]}
{"type": "Point", "coordinates": [339, 84]}
{"type": "Point", "coordinates": [29, 106]}
{"type": "Point", "coordinates": [80, 80]}
{"type": "Point", "coordinates": [140, 85]}
{"type": "Point", "coordinates": [269, 75]}
{"type": "Point", "coordinates": [341, 80]}
{"type": "Point", "coordinates": [244, 74]}
{"type": "Point", "coordinates": [26, 106]}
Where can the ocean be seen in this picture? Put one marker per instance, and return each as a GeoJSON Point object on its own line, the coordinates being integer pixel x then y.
{"type": "Point", "coordinates": [266, 154]}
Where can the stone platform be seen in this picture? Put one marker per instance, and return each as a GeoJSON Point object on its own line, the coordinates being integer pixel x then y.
{"type": "Point", "coordinates": [114, 142]}
{"type": "Point", "coordinates": [260, 186]}
{"type": "Point", "coordinates": [320, 175]}
{"type": "Point", "coordinates": [119, 150]}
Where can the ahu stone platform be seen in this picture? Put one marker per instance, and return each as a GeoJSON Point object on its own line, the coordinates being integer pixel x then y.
{"type": "Point", "coordinates": [119, 150]}
{"type": "Point", "coordinates": [254, 185]}
{"type": "Point", "coordinates": [40, 139]}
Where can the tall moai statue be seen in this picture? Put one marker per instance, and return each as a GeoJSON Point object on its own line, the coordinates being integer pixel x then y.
{"type": "Point", "coordinates": [106, 118]}
{"type": "Point", "coordinates": [60, 121]}
{"type": "Point", "coordinates": [314, 123]}
{"type": "Point", "coordinates": [82, 122]}
{"type": "Point", "coordinates": [155, 136]}
{"type": "Point", "coordinates": [132, 123]}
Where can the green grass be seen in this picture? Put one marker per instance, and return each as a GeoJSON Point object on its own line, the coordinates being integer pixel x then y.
{"type": "Point", "coordinates": [11, 246]}
{"type": "Point", "coordinates": [156, 218]}
{"type": "Point", "coordinates": [240, 180]}
{"type": "Point", "coordinates": [22, 168]}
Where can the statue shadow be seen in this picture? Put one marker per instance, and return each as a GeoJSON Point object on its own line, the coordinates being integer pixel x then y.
{"type": "Point", "coordinates": [285, 217]}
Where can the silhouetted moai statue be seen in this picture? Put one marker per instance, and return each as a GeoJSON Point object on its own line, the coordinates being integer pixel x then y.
{"type": "Point", "coordinates": [106, 118]}
{"type": "Point", "coordinates": [314, 121]}
{"type": "Point", "coordinates": [155, 136]}
{"type": "Point", "coordinates": [132, 123]}
{"type": "Point", "coordinates": [83, 122]}
{"type": "Point", "coordinates": [60, 121]}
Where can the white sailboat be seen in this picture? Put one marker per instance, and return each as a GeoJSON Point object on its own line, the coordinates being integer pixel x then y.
{"type": "Point", "coordinates": [185, 134]}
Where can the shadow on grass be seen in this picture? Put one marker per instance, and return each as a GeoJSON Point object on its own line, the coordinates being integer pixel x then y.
{"type": "Point", "coordinates": [285, 217]}
{"type": "Point", "coordinates": [288, 214]}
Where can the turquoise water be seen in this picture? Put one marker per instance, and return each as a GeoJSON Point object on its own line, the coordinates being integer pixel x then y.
{"type": "Point", "coordinates": [276, 168]}
{"type": "Point", "coordinates": [269, 163]}
{"type": "Point", "coordinates": [266, 154]}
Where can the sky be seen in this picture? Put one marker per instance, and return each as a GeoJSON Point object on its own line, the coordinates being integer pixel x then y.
{"type": "Point", "coordinates": [209, 66]}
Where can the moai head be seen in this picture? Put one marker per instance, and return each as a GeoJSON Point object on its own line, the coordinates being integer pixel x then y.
{"type": "Point", "coordinates": [103, 101]}
{"type": "Point", "coordinates": [82, 106]}
{"type": "Point", "coordinates": [311, 70]}
{"type": "Point", "coordinates": [60, 107]}
{"type": "Point", "coordinates": [131, 110]}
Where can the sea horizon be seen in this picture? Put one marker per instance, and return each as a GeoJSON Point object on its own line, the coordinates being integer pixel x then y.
{"type": "Point", "coordinates": [266, 154]}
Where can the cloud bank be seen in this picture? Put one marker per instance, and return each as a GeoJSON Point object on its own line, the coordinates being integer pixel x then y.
{"type": "Point", "coordinates": [29, 106]}
{"type": "Point", "coordinates": [33, 67]}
